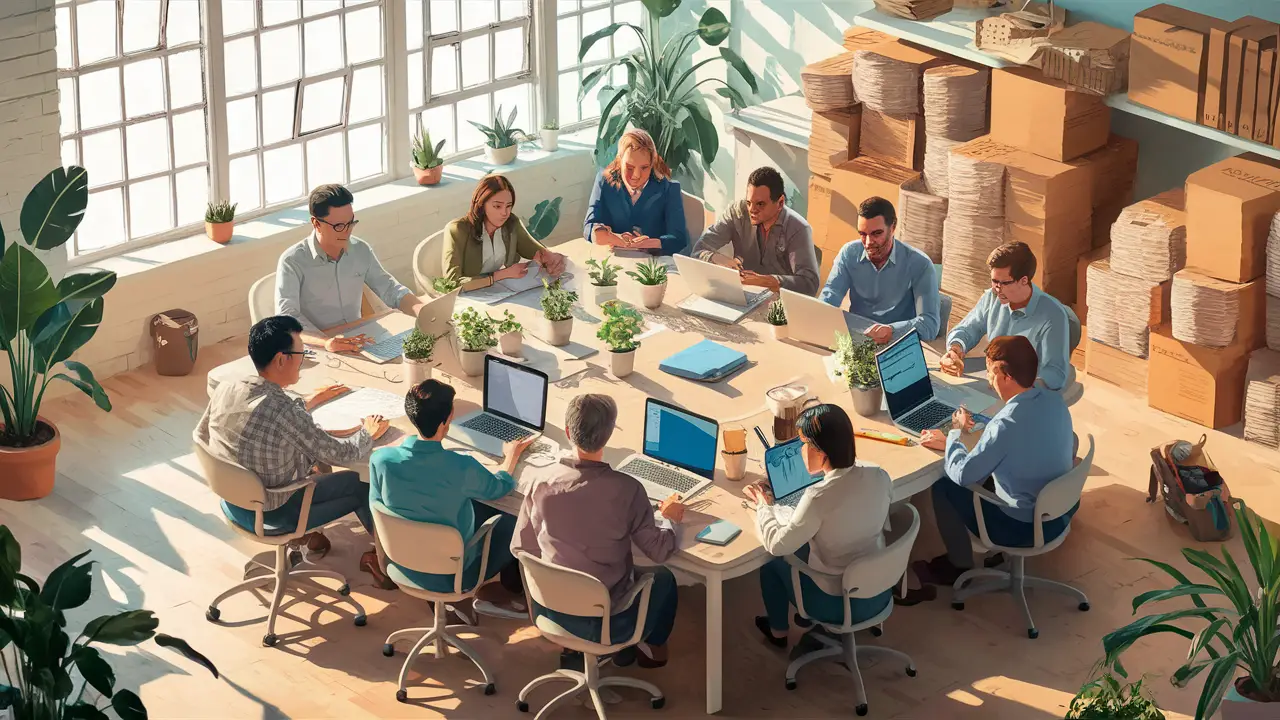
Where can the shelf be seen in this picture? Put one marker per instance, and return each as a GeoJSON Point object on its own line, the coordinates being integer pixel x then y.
{"type": "Point", "coordinates": [787, 120]}
{"type": "Point", "coordinates": [1122, 103]}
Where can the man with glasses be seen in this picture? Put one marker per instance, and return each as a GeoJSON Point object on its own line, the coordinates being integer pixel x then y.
{"type": "Point", "coordinates": [321, 280]}
{"type": "Point", "coordinates": [1015, 306]}
{"type": "Point", "coordinates": [886, 281]}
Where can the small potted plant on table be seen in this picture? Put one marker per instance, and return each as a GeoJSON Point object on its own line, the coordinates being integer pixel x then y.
{"type": "Point", "coordinates": [445, 285]}
{"type": "Point", "coordinates": [1106, 698]}
{"type": "Point", "coordinates": [777, 319]}
{"type": "Point", "coordinates": [604, 280]}
{"type": "Point", "coordinates": [427, 163]}
{"type": "Point", "coordinates": [652, 276]}
{"type": "Point", "coordinates": [418, 348]}
{"type": "Point", "coordinates": [856, 364]}
{"type": "Point", "coordinates": [557, 309]}
{"type": "Point", "coordinates": [475, 332]}
{"type": "Point", "coordinates": [510, 334]}
{"type": "Point", "coordinates": [502, 139]}
{"type": "Point", "coordinates": [550, 135]}
{"type": "Point", "coordinates": [219, 221]}
{"type": "Point", "coordinates": [618, 331]}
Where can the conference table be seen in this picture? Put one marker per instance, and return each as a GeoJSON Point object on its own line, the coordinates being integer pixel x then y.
{"type": "Point", "coordinates": [740, 398]}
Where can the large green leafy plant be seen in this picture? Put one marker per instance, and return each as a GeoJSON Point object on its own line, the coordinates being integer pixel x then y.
{"type": "Point", "coordinates": [856, 361]}
{"type": "Point", "coordinates": [1106, 698]}
{"type": "Point", "coordinates": [38, 668]}
{"type": "Point", "coordinates": [546, 216]}
{"type": "Point", "coordinates": [620, 327]}
{"type": "Point", "coordinates": [661, 95]}
{"type": "Point", "coordinates": [43, 323]}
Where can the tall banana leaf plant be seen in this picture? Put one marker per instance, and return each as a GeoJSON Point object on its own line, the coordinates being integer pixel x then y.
{"type": "Point", "coordinates": [661, 97]}
{"type": "Point", "coordinates": [43, 323]}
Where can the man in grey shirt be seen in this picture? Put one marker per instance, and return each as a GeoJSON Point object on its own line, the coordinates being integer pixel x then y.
{"type": "Point", "coordinates": [772, 245]}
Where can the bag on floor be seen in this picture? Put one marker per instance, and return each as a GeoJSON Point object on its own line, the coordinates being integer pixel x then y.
{"type": "Point", "coordinates": [1195, 493]}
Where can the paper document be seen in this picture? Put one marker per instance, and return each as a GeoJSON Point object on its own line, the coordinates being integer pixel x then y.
{"type": "Point", "coordinates": [348, 410]}
{"type": "Point", "coordinates": [504, 289]}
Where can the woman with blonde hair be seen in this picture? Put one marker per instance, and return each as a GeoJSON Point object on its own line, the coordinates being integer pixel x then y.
{"type": "Point", "coordinates": [635, 205]}
{"type": "Point", "coordinates": [487, 244]}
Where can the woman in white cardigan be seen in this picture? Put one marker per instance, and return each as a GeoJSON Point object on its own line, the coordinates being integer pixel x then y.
{"type": "Point", "coordinates": [837, 520]}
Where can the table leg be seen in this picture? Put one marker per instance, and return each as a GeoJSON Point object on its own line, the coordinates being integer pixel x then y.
{"type": "Point", "coordinates": [715, 642]}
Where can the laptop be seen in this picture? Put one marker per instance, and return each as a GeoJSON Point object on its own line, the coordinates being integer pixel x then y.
{"type": "Point", "coordinates": [679, 452]}
{"type": "Point", "coordinates": [908, 389]}
{"type": "Point", "coordinates": [515, 406]}
{"type": "Point", "coordinates": [388, 332]}
{"type": "Point", "coordinates": [811, 321]}
{"type": "Point", "coordinates": [788, 477]}
{"type": "Point", "coordinates": [716, 292]}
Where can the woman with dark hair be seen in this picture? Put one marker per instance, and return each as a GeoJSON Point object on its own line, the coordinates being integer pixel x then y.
{"type": "Point", "coordinates": [487, 244]}
{"type": "Point", "coordinates": [837, 520]}
{"type": "Point", "coordinates": [635, 205]}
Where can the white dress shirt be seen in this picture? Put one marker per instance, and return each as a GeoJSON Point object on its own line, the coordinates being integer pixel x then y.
{"type": "Point", "coordinates": [492, 252]}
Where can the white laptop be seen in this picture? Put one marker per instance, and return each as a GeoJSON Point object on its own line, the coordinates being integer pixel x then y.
{"type": "Point", "coordinates": [679, 452]}
{"type": "Point", "coordinates": [809, 320]}
{"type": "Point", "coordinates": [515, 406]}
{"type": "Point", "coordinates": [716, 292]}
{"type": "Point", "coordinates": [388, 332]}
{"type": "Point", "coordinates": [908, 389]}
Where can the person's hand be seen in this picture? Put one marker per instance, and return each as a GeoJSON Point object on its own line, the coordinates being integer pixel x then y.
{"type": "Point", "coordinates": [513, 449]}
{"type": "Point", "coordinates": [552, 262]}
{"type": "Point", "coordinates": [879, 334]}
{"type": "Point", "coordinates": [732, 263]}
{"type": "Point", "coordinates": [953, 362]}
{"type": "Point", "coordinates": [518, 270]}
{"type": "Point", "coordinates": [375, 425]}
{"type": "Point", "coordinates": [758, 493]}
{"type": "Point", "coordinates": [933, 439]}
{"type": "Point", "coordinates": [962, 420]}
{"type": "Point", "coordinates": [757, 280]}
{"type": "Point", "coordinates": [353, 344]}
{"type": "Point", "coordinates": [325, 394]}
{"type": "Point", "coordinates": [672, 509]}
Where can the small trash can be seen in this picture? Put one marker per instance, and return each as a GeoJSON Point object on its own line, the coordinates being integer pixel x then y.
{"type": "Point", "coordinates": [176, 334]}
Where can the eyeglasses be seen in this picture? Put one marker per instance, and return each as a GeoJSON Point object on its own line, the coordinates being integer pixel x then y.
{"type": "Point", "coordinates": [338, 227]}
{"type": "Point", "coordinates": [1002, 283]}
{"type": "Point", "coordinates": [303, 353]}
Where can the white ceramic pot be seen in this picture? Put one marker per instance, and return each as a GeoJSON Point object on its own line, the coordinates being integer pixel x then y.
{"type": "Point", "coordinates": [651, 295]}
{"type": "Point", "coordinates": [1238, 707]}
{"type": "Point", "coordinates": [601, 294]}
{"type": "Point", "coordinates": [622, 363]}
{"type": "Point", "coordinates": [511, 343]}
{"type": "Point", "coordinates": [550, 139]}
{"type": "Point", "coordinates": [501, 156]}
{"type": "Point", "coordinates": [472, 361]}
{"type": "Point", "coordinates": [415, 371]}
{"type": "Point", "coordinates": [780, 332]}
{"type": "Point", "coordinates": [559, 332]}
{"type": "Point", "coordinates": [866, 401]}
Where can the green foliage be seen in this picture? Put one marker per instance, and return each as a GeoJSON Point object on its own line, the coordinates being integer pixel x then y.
{"type": "Point", "coordinates": [551, 125]}
{"type": "Point", "coordinates": [43, 324]}
{"type": "Point", "coordinates": [445, 285]}
{"type": "Point", "coordinates": [38, 669]}
{"type": "Point", "coordinates": [602, 272]}
{"type": "Point", "coordinates": [620, 327]}
{"type": "Point", "coordinates": [508, 323]}
{"type": "Point", "coordinates": [856, 361]}
{"type": "Point", "coordinates": [660, 95]}
{"type": "Point", "coordinates": [419, 345]}
{"type": "Point", "coordinates": [503, 133]}
{"type": "Point", "coordinates": [1239, 632]}
{"type": "Point", "coordinates": [1104, 698]}
{"type": "Point", "coordinates": [220, 212]}
{"type": "Point", "coordinates": [474, 330]}
{"type": "Point", "coordinates": [426, 155]}
{"type": "Point", "coordinates": [650, 272]}
{"type": "Point", "coordinates": [776, 315]}
{"type": "Point", "coordinates": [557, 303]}
{"type": "Point", "coordinates": [546, 216]}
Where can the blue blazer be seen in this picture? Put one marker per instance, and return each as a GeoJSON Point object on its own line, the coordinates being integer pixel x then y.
{"type": "Point", "coordinates": [658, 213]}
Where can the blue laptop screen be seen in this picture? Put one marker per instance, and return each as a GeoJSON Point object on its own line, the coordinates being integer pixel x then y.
{"type": "Point", "coordinates": [904, 374]}
{"type": "Point", "coordinates": [680, 438]}
{"type": "Point", "coordinates": [784, 466]}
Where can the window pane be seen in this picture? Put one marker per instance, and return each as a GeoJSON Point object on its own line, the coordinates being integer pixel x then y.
{"type": "Point", "coordinates": [186, 81]}
{"type": "Point", "coordinates": [67, 105]}
{"type": "Point", "coordinates": [444, 70]}
{"type": "Point", "coordinates": [96, 31]}
{"type": "Point", "coordinates": [591, 22]}
{"type": "Point", "coordinates": [323, 46]}
{"type": "Point", "coordinates": [183, 23]}
{"type": "Point", "coordinates": [568, 97]}
{"type": "Point", "coordinates": [322, 104]}
{"type": "Point", "coordinates": [475, 61]}
{"type": "Point", "coordinates": [103, 157]}
{"type": "Point", "coordinates": [282, 170]}
{"type": "Point", "coordinates": [189, 138]}
{"type": "Point", "coordinates": [193, 192]}
{"type": "Point", "coordinates": [238, 16]}
{"type": "Point", "coordinates": [364, 147]}
{"type": "Point", "coordinates": [147, 146]}
{"type": "Point", "coordinates": [244, 183]}
{"type": "Point", "coordinates": [366, 94]}
{"type": "Point", "coordinates": [566, 6]}
{"type": "Point", "coordinates": [364, 35]}
{"type": "Point", "coordinates": [106, 221]}
{"type": "Point", "coordinates": [242, 124]}
{"type": "Point", "coordinates": [591, 104]}
{"type": "Point", "coordinates": [275, 12]}
{"type": "Point", "coordinates": [509, 9]}
{"type": "Point", "coordinates": [415, 80]}
{"type": "Point", "coordinates": [444, 16]}
{"type": "Point", "coordinates": [150, 207]}
{"type": "Point", "coordinates": [413, 28]}
{"type": "Point", "coordinates": [518, 98]}
{"type": "Point", "coordinates": [99, 98]}
{"type": "Point", "coordinates": [278, 108]}
{"type": "Point", "coordinates": [477, 13]}
{"type": "Point", "coordinates": [315, 7]}
{"type": "Point", "coordinates": [62, 32]}
{"type": "Point", "coordinates": [567, 42]}
{"type": "Point", "coordinates": [439, 121]}
{"type": "Point", "coordinates": [69, 153]}
{"type": "Point", "coordinates": [141, 25]}
{"type": "Point", "coordinates": [242, 66]}
{"type": "Point", "coordinates": [625, 40]}
{"type": "Point", "coordinates": [143, 88]}
{"type": "Point", "coordinates": [281, 56]}
{"type": "Point", "coordinates": [593, 3]}
{"type": "Point", "coordinates": [509, 56]}
{"type": "Point", "coordinates": [325, 162]}
{"type": "Point", "coordinates": [474, 109]}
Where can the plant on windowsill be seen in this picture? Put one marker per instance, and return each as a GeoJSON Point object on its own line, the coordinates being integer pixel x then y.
{"type": "Point", "coordinates": [1106, 698]}
{"type": "Point", "coordinates": [776, 316]}
{"type": "Point", "coordinates": [510, 334]}
{"type": "Point", "coordinates": [418, 349]}
{"type": "Point", "coordinates": [219, 221]}
{"type": "Point", "coordinates": [652, 276]}
{"type": "Point", "coordinates": [475, 333]}
{"type": "Point", "coordinates": [855, 362]}
{"type": "Point", "coordinates": [550, 136]}
{"type": "Point", "coordinates": [502, 139]}
{"type": "Point", "coordinates": [618, 331]}
{"type": "Point", "coordinates": [604, 280]}
{"type": "Point", "coordinates": [41, 325]}
{"type": "Point", "coordinates": [557, 309]}
{"type": "Point", "coordinates": [427, 163]}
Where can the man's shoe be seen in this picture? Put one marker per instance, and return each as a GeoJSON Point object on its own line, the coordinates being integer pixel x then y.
{"type": "Point", "coordinates": [317, 544]}
{"type": "Point", "coordinates": [938, 571]}
{"type": "Point", "coordinates": [369, 564]}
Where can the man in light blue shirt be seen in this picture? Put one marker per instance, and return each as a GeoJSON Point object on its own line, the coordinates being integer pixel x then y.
{"type": "Point", "coordinates": [1026, 445]}
{"type": "Point", "coordinates": [888, 282]}
{"type": "Point", "coordinates": [321, 280]}
{"type": "Point", "coordinates": [1015, 306]}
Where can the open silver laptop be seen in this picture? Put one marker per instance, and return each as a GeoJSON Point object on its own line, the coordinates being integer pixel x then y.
{"type": "Point", "coordinates": [717, 292]}
{"type": "Point", "coordinates": [679, 452]}
{"type": "Point", "coordinates": [515, 406]}
{"type": "Point", "coordinates": [809, 320]}
{"type": "Point", "coordinates": [908, 389]}
{"type": "Point", "coordinates": [388, 332]}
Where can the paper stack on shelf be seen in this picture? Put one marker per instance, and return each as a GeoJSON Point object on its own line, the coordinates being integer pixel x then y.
{"type": "Point", "coordinates": [955, 101]}
{"type": "Point", "coordinates": [976, 180]}
{"type": "Point", "coordinates": [967, 240]}
{"type": "Point", "coordinates": [937, 161]}
{"type": "Point", "coordinates": [914, 9]}
{"type": "Point", "coordinates": [1262, 399]}
{"type": "Point", "coordinates": [920, 219]}
{"type": "Point", "coordinates": [1149, 240]}
{"type": "Point", "coordinates": [886, 84]}
{"type": "Point", "coordinates": [1273, 322]}
{"type": "Point", "coordinates": [828, 84]}
{"type": "Point", "coordinates": [1121, 310]}
{"type": "Point", "coordinates": [1206, 310]}
{"type": "Point", "coordinates": [1273, 257]}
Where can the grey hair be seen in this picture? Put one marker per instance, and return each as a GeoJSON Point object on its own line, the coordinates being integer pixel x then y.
{"type": "Point", "coordinates": [589, 421]}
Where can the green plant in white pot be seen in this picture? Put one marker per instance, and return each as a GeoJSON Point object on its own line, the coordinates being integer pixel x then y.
{"type": "Point", "coordinates": [510, 334]}
{"type": "Point", "coordinates": [550, 135]}
{"type": "Point", "coordinates": [557, 310]}
{"type": "Point", "coordinates": [652, 276]}
{"type": "Point", "coordinates": [42, 323]}
{"type": "Point", "coordinates": [418, 349]}
{"type": "Point", "coordinates": [618, 331]}
{"type": "Point", "coordinates": [445, 284]}
{"type": "Point", "coordinates": [501, 139]}
{"type": "Point", "coordinates": [604, 280]}
{"type": "Point", "coordinates": [475, 333]}
{"type": "Point", "coordinates": [776, 316]}
{"type": "Point", "coordinates": [855, 361]}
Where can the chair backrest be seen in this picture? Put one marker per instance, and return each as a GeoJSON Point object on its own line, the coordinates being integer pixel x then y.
{"type": "Point", "coordinates": [232, 483]}
{"type": "Point", "coordinates": [564, 590]}
{"type": "Point", "coordinates": [262, 299]}
{"type": "Point", "coordinates": [876, 572]}
{"type": "Point", "coordinates": [1062, 494]}
{"type": "Point", "coordinates": [419, 546]}
{"type": "Point", "coordinates": [428, 260]}
{"type": "Point", "coordinates": [1073, 328]}
{"type": "Point", "coordinates": [695, 217]}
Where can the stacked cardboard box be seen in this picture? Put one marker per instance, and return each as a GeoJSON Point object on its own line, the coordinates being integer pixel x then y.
{"type": "Point", "coordinates": [861, 38]}
{"type": "Point", "coordinates": [1047, 206]}
{"type": "Point", "coordinates": [1112, 170]}
{"type": "Point", "coordinates": [853, 182]}
{"type": "Point", "coordinates": [1169, 60]}
{"type": "Point", "coordinates": [1046, 117]}
{"type": "Point", "coordinates": [1273, 284]}
{"type": "Point", "coordinates": [921, 218]}
{"type": "Point", "coordinates": [819, 218]}
{"type": "Point", "coordinates": [834, 139]}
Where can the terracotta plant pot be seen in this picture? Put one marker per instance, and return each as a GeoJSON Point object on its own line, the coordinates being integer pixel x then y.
{"type": "Point", "coordinates": [416, 371]}
{"type": "Point", "coordinates": [28, 473]}
{"type": "Point", "coordinates": [1236, 705]}
{"type": "Point", "coordinates": [550, 140]}
{"type": "Point", "coordinates": [866, 401]}
{"type": "Point", "coordinates": [622, 363]}
{"type": "Point", "coordinates": [651, 295]}
{"type": "Point", "coordinates": [559, 332]}
{"type": "Point", "coordinates": [512, 343]}
{"type": "Point", "coordinates": [780, 332]}
{"type": "Point", "coordinates": [220, 232]}
{"type": "Point", "coordinates": [430, 176]}
{"type": "Point", "coordinates": [501, 156]}
{"type": "Point", "coordinates": [601, 294]}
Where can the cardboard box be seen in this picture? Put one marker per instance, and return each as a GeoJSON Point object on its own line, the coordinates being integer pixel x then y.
{"type": "Point", "coordinates": [1169, 59]}
{"type": "Point", "coordinates": [1256, 38]}
{"type": "Point", "coordinates": [855, 181]}
{"type": "Point", "coordinates": [1116, 367]}
{"type": "Point", "coordinates": [1059, 280]}
{"type": "Point", "coordinates": [819, 213]}
{"type": "Point", "coordinates": [1104, 217]}
{"type": "Point", "coordinates": [1112, 170]}
{"type": "Point", "coordinates": [1057, 242]}
{"type": "Point", "coordinates": [1037, 189]}
{"type": "Point", "coordinates": [1203, 385]}
{"type": "Point", "coordinates": [1046, 117]}
{"type": "Point", "coordinates": [1090, 56]}
{"type": "Point", "coordinates": [1229, 209]}
{"type": "Point", "coordinates": [1233, 85]}
{"type": "Point", "coordinates": [1217, 80]}
{"type": "Point", "coordinates": [1173, 198]}
{"type": "Point", "coordinates": [1262, 113]}
{"type": "Point", "coordinates": [860, 38]}
{"type": "Point", "coordinates": [834, 139]}
{"type": "Point", "coordinates": [895, 139]}
{"type": "Point", "coordinates": [1251, 301]}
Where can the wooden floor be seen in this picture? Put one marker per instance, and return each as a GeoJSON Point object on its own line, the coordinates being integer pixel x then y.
{"type": "Point", "coordinates": [128, 490]}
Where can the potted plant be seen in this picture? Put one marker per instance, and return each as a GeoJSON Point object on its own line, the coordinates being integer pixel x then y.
{"type": "Point", "coordinates": [557, 308]}
{"type": "Point", "coordinates": [1106, 698]}
{"type": "Point", "coordinates": [474, 331]}
{"type": "Point", "coordinates": [502, 139]}
{"type": "Point", "coordinates": [427, 163]}
{"type": "Point", "coordinates": [41, 325]}
{"type": "Point", "coordinates": [856, 365]}
{"type": "Point", "coordinates": [44, 654]}
{"type": "Point", "coordinates": [418, 348]}
{"type": "Point", "coordinates": [776, 316]}
{"type": "Point", "coordinates": [510, 334]}
{"type": "Point", "coordinates": [618, 331]}
{"type": "Point", "coordinates": [604, 280]}
{"type": "Point", "coordinates": [652, 276]}
{"type": "Point", "coordinates": [1238, 644]}
{"type": "Point", "coordinates": [219, 221]}
{"type": "Point", "coordinates": [445, 285]}
{"type": "Point", "coordinates": [550, 135]}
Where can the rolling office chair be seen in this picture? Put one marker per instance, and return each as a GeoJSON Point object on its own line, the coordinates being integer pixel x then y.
{"type": "Point", "coordinates": [1072, 390]}
{"type": "Point", "coordinates": [695, 218]}
{"type": "Point", "coordinates": [428, 262]}
{"type": "Point", "coordinates": [262, 299]}
{"type": "Point", "coordinates": [867, 577]}
{"type": "Point", "coordinates": [1058, 497]}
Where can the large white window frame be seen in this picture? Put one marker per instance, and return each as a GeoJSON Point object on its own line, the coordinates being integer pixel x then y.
{"type": "Point", "coordinates": [573, 13]}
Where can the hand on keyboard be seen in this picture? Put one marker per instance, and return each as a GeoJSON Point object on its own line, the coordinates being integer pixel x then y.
{"type": "Point", "coordinates": [352, 344]}
{"type": "Point", "coordinates": [672, 509]}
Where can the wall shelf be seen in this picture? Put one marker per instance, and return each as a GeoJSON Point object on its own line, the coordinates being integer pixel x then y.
{"type": "Point", "coordinates": [787, 120]}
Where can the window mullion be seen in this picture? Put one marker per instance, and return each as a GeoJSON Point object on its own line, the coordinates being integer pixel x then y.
{"type": "Point", "coordinates": [545, 61]}
{"type": "Point", "coordinates": [396, 86]}
{"type": "Point", "coordinates": [215, 69]}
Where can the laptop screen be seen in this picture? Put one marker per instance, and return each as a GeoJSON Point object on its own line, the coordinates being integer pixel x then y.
{"type": "Point", "coordinates": [680, 438]}
{"type": "Point", "coordinates": [904, 374]}
{"type": "Point", "coordinates": [516, 393]}
{"type": "Point", "coordinates": [784, 466]}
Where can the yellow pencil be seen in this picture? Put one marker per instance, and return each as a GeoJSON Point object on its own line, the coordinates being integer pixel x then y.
{"type": "Point", "coordinates": [882, 436]}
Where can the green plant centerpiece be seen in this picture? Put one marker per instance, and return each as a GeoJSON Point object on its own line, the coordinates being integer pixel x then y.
{"type": "Point", "coordinates": [604, 280]}
{"type": "Point", "coordinates": [855, 363]}
{"type": "Point", "coordinates": [502, 138]}
{"type": "Point", "coordinates": [476, 334]}
{"type": "Point", "coordinates": [662, 91]}
{"type": "Point", "coordinates": [652, 276]}
{"type": "Point", "coordinates": [618, 330]}
{"type": "Point", "coordinates": [550, 135]}
{"type": "Point", "coordinates": [445, 284]}
{"type": "Point", "coordinates": [510, 334]}
{"type": "Point", "coordinates": [418, 349]}
{"type": "Point", "coordinates": [776, 316]}
{"type": "Point", "coordinates": [428, 164]}
{"type": "Point", "coordinates": [557, 310]}
{"type": "Point", "coordinates": [219, 221]}
{"type": "Point", "coordinates": [42, 324]}
{"type": "Point", "coordinates": [41, 655]}
{"type": "Point", "coordinates": [1107, 698]}
{"type": "Point", "coordinates": [1237, 644]}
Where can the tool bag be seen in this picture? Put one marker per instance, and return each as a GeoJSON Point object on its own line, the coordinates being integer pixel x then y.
{"type": "Point", "coordinates": [1195, 493]}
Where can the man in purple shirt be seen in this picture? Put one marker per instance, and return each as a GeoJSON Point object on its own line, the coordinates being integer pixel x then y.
{"type": "Point", "coordinates": [584, 515]}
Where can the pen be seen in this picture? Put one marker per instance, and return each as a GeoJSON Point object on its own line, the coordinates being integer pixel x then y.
{"type": "Point", "coordinates": [760, 434]}
{"type": "Point", "coordinates": [882, 436]}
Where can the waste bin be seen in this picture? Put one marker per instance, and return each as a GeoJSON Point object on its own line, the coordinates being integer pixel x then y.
{"type": "Point", "coordinates": [176, 334]}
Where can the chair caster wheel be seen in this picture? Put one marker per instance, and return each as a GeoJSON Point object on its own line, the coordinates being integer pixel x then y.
{"type": "Point", "coordinates": [1033, 633]}
{"type": "Point", "coordinates": [361, 620]}
{"type": "Point", "coordinates": [911, 672]}
{"type": "Point", "coordinates": [791, 684]}
{"type": "Point", "coordinates": [490, 689]}
{"type": "Point", "coordinates": [876, 631]}
{"type": "Point", "coordinates": [658, 703]}
{"type": "Point", "coordinates": [861, 709]}
{"type": "Point", "coordinates": [388, 650]}
{"type": "Point", "coordinates": [213, 614]}
{"type": "Point", "coordinates": [345, 590]}
{"type": "Point", "coordinates": [522, 706]}
{"type": "Point", "coordinates": [957, 606]}
{"type": "Point", "coordinates": [270, 640]}
{"type": "Point", "coordinates": [1083, 607]}
{"type": "Point", "coordinates": [402, 696]}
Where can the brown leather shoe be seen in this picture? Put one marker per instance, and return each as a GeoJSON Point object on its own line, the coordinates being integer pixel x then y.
{"type": "Point", "coordinates": [369, 564]}
{"type": "Point", "coordinates": [317, 544]}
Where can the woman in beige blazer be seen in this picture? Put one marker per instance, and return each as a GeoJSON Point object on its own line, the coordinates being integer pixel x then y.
{"type": "Point", "coordinates": [487, 245]}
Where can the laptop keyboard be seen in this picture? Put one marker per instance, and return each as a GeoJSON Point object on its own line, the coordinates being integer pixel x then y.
{"type": "Point", "coordinates": [390, 347]}
{"type": "Point", "coordinates": [660, 475]}
{"type": "Point", "coordinates": [791, 500]}
{"type": "Point", "coordinates": [932, 415]}
{"type": "Point", "coordinates": [496, 427]}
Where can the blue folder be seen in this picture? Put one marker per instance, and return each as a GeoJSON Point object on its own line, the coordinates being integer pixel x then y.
{"type": "Point", "coordinates": [706, 360]}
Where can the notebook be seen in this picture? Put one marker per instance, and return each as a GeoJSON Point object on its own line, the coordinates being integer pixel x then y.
{"type": "Point", "coordinates": [704, 361]}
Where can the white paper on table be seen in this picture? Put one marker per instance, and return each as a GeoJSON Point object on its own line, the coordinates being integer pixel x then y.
{"type": "Point", "coordinates": [349, 410]}
{"type": "Point", "coordinates": [504, 289]}
{"type": "Point", "coordinates": [653, 329]}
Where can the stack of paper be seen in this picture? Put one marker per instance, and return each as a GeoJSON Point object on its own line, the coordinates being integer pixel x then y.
{"type": "Point", "coordinates": [347, 411]}
{"type": "Point", "coordinates": [955, 101]}
{"type": "Point", "coordinates": [1273, 322]}
{"type": "Point", "coordinates": [1205, 310]}
{"type": "Point", "coordinates": [1118, 308]}
{"type": "Point", "coordinates": [937, 160]}
{"type": "Point", "coordinates": [976, 185]}
{"type": "Point", "coordinates": [885, 84]}
{"type": "Point", "coordinates": [828, 84]}
{"type": "Point", "coordinates": [920, 219]}
{"type": "Point", "coordinates": [967, 240]}
{"type": "Point", "coordinates": [1273, 258]}
{"type": "Point", "coordinates": [1262, 399]}
{"type": "Point", "coordinates": [914, 9]}
{"type": "Point", "coordinates": [1149, 241]}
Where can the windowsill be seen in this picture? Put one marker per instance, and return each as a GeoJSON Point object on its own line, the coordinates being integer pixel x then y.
{"type": "Point", "coordinates": [462, 172]}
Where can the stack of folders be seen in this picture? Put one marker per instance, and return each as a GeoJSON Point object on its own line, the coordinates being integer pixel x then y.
{"type": "Point", "coordinates": [914, 9]}
{"type": "Point", "coordinates": [706, 361]}
{"type": "Point", "coordinates": [1262, 399]}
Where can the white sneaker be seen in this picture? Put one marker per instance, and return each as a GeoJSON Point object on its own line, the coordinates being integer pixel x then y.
{"type": "Point", "coordinates": [484, 607]}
